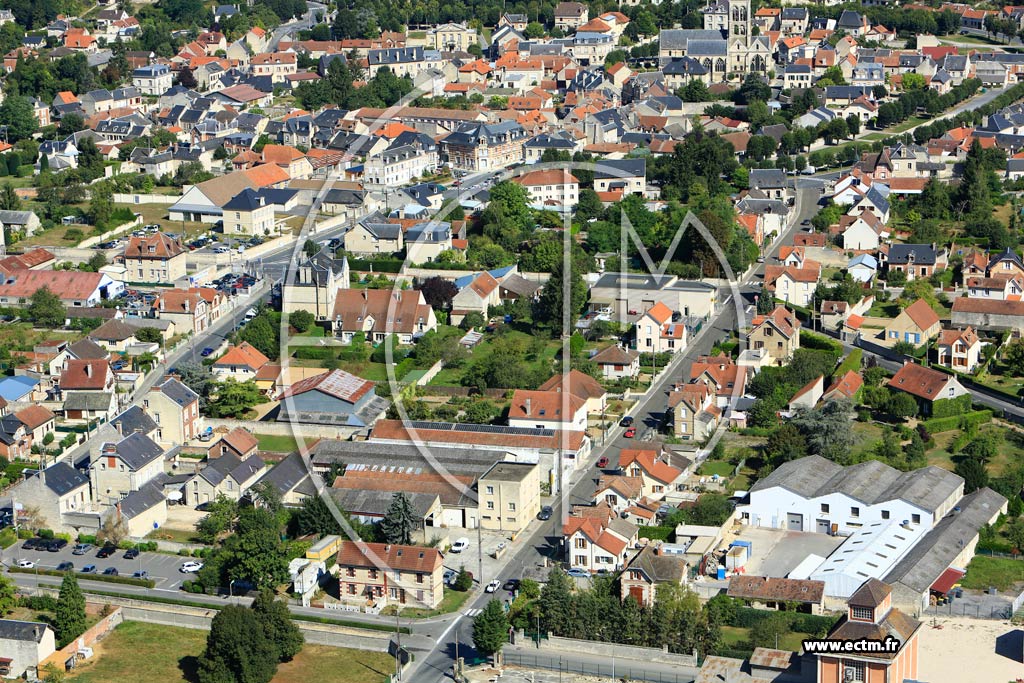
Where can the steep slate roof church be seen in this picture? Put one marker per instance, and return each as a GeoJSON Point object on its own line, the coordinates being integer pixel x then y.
{"type": "Point", "coordinates": [724, 46]}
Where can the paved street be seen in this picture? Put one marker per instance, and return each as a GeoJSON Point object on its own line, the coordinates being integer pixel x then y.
{"type": "Point", "coordinates": [543, 541]}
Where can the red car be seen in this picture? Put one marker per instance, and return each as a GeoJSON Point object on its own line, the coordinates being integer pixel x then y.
{"type": "Point", "coordinates": [602, 462]}
{"type": "Point", "coordinates": [630, 433]}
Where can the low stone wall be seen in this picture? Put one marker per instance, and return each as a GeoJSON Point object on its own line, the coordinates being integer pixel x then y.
{"type": "Point", "coordinates": [272, 428]}
{"type": "Point", "coordinates": [139, 199]}
{"type": "Point", "coordinates": [87, 639]}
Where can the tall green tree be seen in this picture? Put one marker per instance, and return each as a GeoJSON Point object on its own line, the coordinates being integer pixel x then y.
{"type": "Point", "coordinates": [490, 629]}
{"type": "Point", "coordinates": [8, 596]}
{"type": "Point", "coordinates": [550, 308]}
{"type": "Point", "coordinates": [400, 520]}
{"type": "Point", "coordinates": [556, 602]}
{"type": "Point", "coordinates": [278, 626]}
{"type": "Point", "coordinates": [69, 617]}
{"type": "Point", "coordinates": [16, 113]}
{"type": "Point", "coordinates": [237, 649]}
{"type": "Point", "coordinates": [46, 309]}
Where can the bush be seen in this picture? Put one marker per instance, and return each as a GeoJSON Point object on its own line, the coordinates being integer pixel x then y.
{"type": "Point", "coordinates": [945, 424]}
{"type": "Point", "coordinates": [147, 583]}
{"type": "Point", "coordinates": [45, 533]}
{"type": "Point", "coordinates": [748, 617]}
{"type": "Point", "coordinates": [657, 533]}
{"type": "Point", "coordinates": [948, 407]}
{"type": "Point", "coordinates": [87, 538]}
{"type": "Point", "coordinates": [73, 235]}
{"type": "Point", "coordinates": [314, 353]}
{"type": "Point", "coordinates": [39, 603]}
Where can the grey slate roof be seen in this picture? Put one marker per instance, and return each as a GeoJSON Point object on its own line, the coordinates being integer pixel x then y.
{"type": "Point", "coordinates": [678, 38]}
{"type": "Point", "coordinates": [290, 475]}
{"type": "Point", "coordinates": [376, 503]}
{"type": "Point", "coordinates": [86, 400]}
{"type": "Point", "coordinates": [922, 253]}
{"type": "Point", "coordinates": [869, 482]}
{"type": "Point", "coordinates": [62, 478]}
{"type": "Point", "coordinates": [772, 178]}
{"type": "Point", "coordinates": [138, 450]}
{"type": "Point", "coordinates": [708, 48]}
{"type": "Point", "coordinates": [620, 168]}
{"type": "Point", "coordinates": [87, 349]}
{"type": "Point", "coordinates": [940, 547]}
{"type": "Point", "coordinates": [178, 392]}
{"type": "Point", "coordinates": [134, 420]}
{"type": "Point", "coordinates": [146, 498]}
{"type": "Point", "coordinates": [11, 629]}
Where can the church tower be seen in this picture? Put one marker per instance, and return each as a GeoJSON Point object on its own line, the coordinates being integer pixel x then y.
{"type": "Point", "coordinates": [739, 21]}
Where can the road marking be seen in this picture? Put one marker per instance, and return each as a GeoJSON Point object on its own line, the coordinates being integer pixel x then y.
{"type": "Point", "coordinates": [473, 612]}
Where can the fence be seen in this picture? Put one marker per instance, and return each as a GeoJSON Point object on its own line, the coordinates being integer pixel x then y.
{"type": "Point", "coordinates": [433, 390]}
{"type": "Point", "coordinates": [975, 610]}
{"type": "Point", "coordinates": [120, 198]}
{"type": "Point", "coordinates": [87, 639]}
{"type": "Point", "coordinates": [608, 669]}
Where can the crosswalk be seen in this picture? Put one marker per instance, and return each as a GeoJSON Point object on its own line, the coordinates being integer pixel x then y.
{"type": "Point", "coordinates": [473, 612]}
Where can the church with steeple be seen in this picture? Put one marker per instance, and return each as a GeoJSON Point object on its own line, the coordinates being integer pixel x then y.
{"type": "Point", "coordinates": [725, 49]}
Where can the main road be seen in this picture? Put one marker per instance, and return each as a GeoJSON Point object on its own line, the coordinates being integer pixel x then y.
{"type": "Point", "coordinates": [435, 642]}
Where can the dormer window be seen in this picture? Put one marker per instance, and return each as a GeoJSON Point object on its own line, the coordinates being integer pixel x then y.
{"type": "Point", "coordinates": [862, 613]}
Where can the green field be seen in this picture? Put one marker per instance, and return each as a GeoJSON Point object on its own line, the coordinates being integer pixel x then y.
{"type": "Point", "coordinates": [1000, 572]}
{"type": "Point", "coordinates": [278, 444]}
{"type": "Point", "coordinates": [148, 652]}
{"type": "Point", "coordinates": [734, 637]}
{"type": "Point", "coordinates": [453, 376]}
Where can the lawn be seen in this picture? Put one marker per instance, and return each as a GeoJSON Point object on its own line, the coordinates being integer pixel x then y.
{"type": "Point", "coordinates": [884, 309]}
{"type": "Point", "coordinates": [279, 444]}
{"type": "Point", "coordinates": [453, 376]}
{"type": "Point", "coordinates": [867, 434]}
{"type": "Point", "coordinates": [173, 535]}
{"type": "Point", "coordinates": [22, 337]}
{"type": "Point", "coordinates": [452, 601]}
{"type": "Point", "coordinates": [1000, 572]}
{"type": "Point", "coordinates": [157, 213]}
{"type": "Point", "coordinates": [712, 467]}
{"type": "Point", "coordinates": [734, 637]}
{"type": "Point", "coordinates": [1009, 449]}
{"type": "Point", "coordinates": [139, 652]}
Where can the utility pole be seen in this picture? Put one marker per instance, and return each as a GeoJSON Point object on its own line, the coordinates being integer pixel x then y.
{"type": "Point", "coordinates": [398, 649]}
{"type": "Point", "coordinates": [480, 553]}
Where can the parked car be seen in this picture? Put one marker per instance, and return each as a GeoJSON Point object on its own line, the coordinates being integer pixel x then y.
{"type": "Point", "coordinates": [56, 545]}
{"type": "Point", "coordinates": [460, 545]}
{"type": "Point", "coordinates": [110, 571]}
{"type": "Point", "coordinates": [578, 573]}
{"type": "Point", "coordinates": [65, 567]}
{"type": "Point", "coordinates": [26, 564]}
{"type": "Point", "coordinates": [512, 585]}
{"type": "Point", "coordinates": [189, 567]}
{"type": "Point", "coordinates": [544, 514]}
{"type": "Point", "coordinates": [627, 421]}
{"type": "Point", "coordinates": [106, 551]}
{"type": "Point", "coordinates": [131, 553]}
{"type": "Point", "coordinates": [207, 352]}
{"type": "Point", "coordinates": [141, 574]}
{"type": "Point", "coordinates": [630, 433]}
{"type": "Point", "coordinates": [449, 576]}
{"type": "Point", "coordinates": [492, 586]}
{"type": "Point", "coordinates": [602, 462]}
{"type": "Point", "coordinates": [89, 569]}
{"type": "Point", "coordinates": [34, 543]}
{"type": "Point", "coordinates": [82, 549]}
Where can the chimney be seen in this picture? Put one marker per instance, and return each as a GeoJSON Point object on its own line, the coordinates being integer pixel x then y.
{"type": "Point", "coordinates": [186, 306]}
{"type": "Point", "coordinates": [527, 406]}
{"type": "Point", "coordinates": [35, 632]}
{"type": "Point", "coordinates": [118, 427]}
{"type": "Point", "coordinates": [263, 200]}
{"type": "Point", "coordinates": [161, 304]}
{"type": "Point", "coordinates": [88, 369]}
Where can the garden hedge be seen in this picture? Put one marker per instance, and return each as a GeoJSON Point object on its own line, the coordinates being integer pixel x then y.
{"type": "Point", "coordinates": [945, 424]}
{"type": "Point", "coordinates": [145, 583]}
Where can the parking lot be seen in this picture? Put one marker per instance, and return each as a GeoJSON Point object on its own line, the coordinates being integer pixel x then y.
{"type": "Point", "coordinates": [777, 552]}
{"type": "Point", "coordinates": [163, 569]}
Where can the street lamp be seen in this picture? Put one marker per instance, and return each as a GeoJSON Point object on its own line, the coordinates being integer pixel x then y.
{"type": "Point", "coordinates": [231, 589]}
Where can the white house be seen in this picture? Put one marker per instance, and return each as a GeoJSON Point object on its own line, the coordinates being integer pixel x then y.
{"type": "Point", "coordinates": [591, 545]}
{"type": "Point", "coordinates": [818, 495]}
{"type": "Point", "coordinates": [551, 189]}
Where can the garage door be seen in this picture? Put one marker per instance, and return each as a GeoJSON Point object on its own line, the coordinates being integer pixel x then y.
{"type": "Point", "coordinates": [795, 522]}
{"type": "Point", "coordinates": [823, 526]}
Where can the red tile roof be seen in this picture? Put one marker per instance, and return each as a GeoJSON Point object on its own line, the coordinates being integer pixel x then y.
{"type": "Point", "coordinates": [649, 463]}
{"type": "Point", "coordinates": [336, 383]}
{"type": "Point", "coordinates": [922, 315]}
{"type": "Point", "coordinates": [156, 246]}
{"type": "Point", "coordinates": [244, 354]}
{"type": "Point", "coordinates": [406, 558]}
{"type": "Point", "coordinates": [847, 385]}
{"type": "Point", "coordinates": [85, 374]}
{"type": "Point", "coordinates": [920, 381]}
{"type": "Point", "coordinates": [545, 406]}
